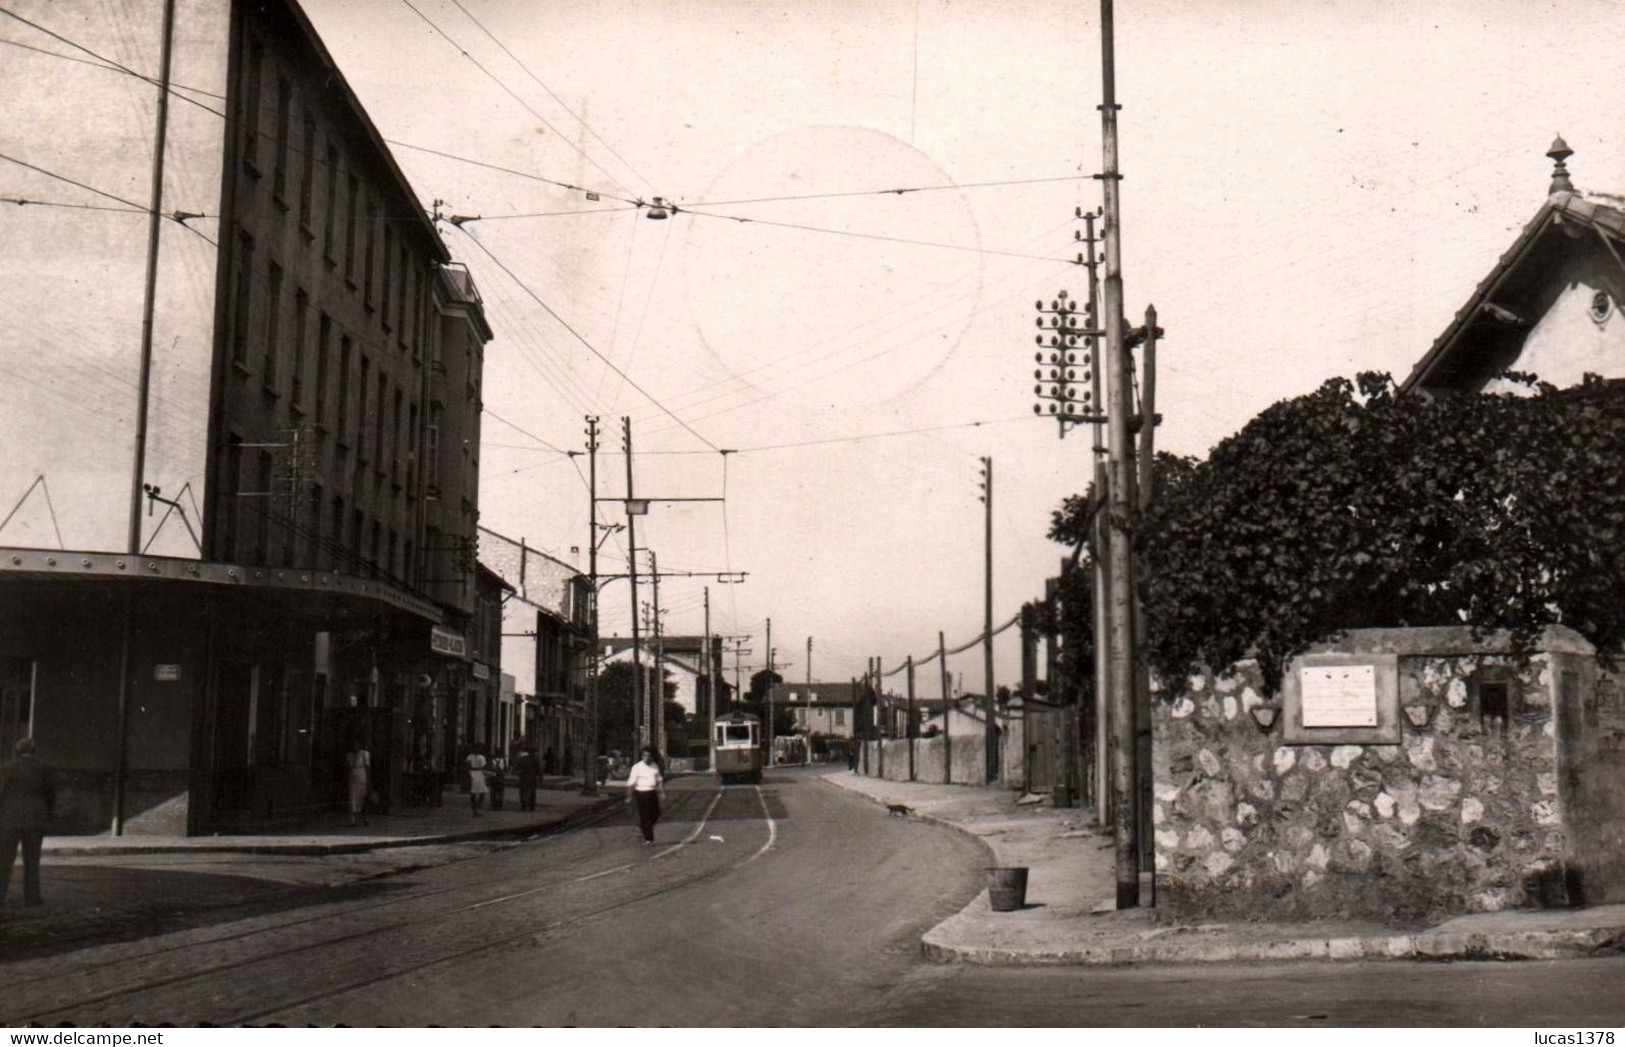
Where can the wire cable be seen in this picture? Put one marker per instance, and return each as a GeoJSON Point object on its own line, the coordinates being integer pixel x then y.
{"type": "Point", "coordinates": [514, 95]}
{"type": "Point", "coordinates": [864, 236]}
{"type": "Point", "coordinates": [583, 339]}
{"type": "Point", "coordinates": [550, 93]}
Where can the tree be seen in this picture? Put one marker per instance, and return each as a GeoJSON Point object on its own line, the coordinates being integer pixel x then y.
{"type": "Point", "coordinates": [1353, 507]}
{"type": "Point", "coordinates": [615, 720]}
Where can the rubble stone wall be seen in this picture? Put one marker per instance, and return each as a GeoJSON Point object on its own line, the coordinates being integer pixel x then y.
{"type": "Point", "coordinates": [1462, 816]}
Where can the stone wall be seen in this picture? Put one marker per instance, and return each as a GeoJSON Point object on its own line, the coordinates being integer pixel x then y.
{"type": "Point", "coordinates": [1462, 815]}
{"type": "Point", "coordinates": [968, 765]}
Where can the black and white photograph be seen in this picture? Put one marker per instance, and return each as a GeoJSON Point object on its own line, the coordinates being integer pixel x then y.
{"type": "Point", "coordinates": [751, 514]}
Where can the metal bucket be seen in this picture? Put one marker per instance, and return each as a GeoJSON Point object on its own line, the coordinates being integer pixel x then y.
{"type": "Point", "coordinates": [1007, 888]}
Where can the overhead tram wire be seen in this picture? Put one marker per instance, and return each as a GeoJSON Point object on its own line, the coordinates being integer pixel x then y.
{"type": "Point", "coordinates": [583, 339]}
{"type": "Point", "coordinates": [885, 192]}
{"type": "Point", "coordinates": [737, 382]}
{"type": "Point", "coordinates": [862, 236]}
{"type": "Point", "coordinates": [183, 93]}
{"type": "Point", "coordinates": [515, 96]}
{"type": "Point", "coordinates": [550, 93]}
{"type": "Point", "coordinates": [520, 429]}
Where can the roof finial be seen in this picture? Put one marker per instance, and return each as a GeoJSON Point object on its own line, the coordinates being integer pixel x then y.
{"type": "Point", "coordinates": [1559, 152]}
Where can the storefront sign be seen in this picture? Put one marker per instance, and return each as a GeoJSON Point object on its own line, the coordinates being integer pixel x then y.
{"type": "Point", "coordinates": [482, 671]}
{"type": "Point", "coordinates": [166, 673]}
{"type": "Point", "coordinates": [447, 641]}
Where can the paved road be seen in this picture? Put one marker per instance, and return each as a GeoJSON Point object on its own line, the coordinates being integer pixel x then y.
{"type": "Point", "coordinates": [791, 903]}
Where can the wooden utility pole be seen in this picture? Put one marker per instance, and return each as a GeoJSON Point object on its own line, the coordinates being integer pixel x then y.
{"type": "Point", "coordinates": [990, 729]}
{"type": "Point", "coordinates": [589, 773]}
{"type": "Point", "coordinates": [639, 724]}
{"type": "Point", "coordinates": [1121, 629]}
{"type": "Point", "coordinates": [155, 221]}
{"type": "Point", "coordinates": [808, 760]}
{"type": "Point", "coordinates": [947, 712]}
{"type": "Point", "coordinates": [880, 716]}
{"type": "Point", "coordinates": [909, 734]}
{"type": "Point", "coordinates": [710, 717]}
{"type": "Point", "coordinates": [772, 743]}
{"type": "Point", "coordinates": [657, 702]}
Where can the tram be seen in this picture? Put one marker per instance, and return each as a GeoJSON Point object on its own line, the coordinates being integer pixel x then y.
{"type": "Point", "coordinates": [738, 738]}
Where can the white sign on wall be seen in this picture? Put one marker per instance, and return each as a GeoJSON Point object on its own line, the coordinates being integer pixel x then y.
{"type": "Point", "coordinates": [1339, 695]}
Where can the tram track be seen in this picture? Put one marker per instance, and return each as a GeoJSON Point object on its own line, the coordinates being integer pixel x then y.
{"type": "Point", "coordinates": [67, 1008]}
{"type": "Point", "coordinates": [54, 972]}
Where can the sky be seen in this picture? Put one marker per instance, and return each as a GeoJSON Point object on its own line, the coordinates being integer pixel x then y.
{"type": "Point", "coordinates": [1310, 189]}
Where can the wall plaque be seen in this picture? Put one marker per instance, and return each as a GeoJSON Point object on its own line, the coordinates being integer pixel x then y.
{"type": "Point", "coordinates": [1339, 695]}
{"type": "Point", "coordinates": [1341, 698]}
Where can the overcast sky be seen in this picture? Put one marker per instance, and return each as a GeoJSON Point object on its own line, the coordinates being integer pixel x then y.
{"type": "Point", "coordinates": [1311, 189]}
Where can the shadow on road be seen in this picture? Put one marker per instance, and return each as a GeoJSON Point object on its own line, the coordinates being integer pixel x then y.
{"type": "Point", "coordinates": [87, 904]}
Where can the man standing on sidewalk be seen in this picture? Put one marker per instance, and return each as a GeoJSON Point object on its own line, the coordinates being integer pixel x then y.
{"type": "Point", "coordinates": [647, 786]}
{"type": "Point", "coordinates": [27, 804]}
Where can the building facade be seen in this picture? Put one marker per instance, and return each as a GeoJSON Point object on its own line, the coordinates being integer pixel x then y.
{"type": "Point", "coordinates": [320, 398]}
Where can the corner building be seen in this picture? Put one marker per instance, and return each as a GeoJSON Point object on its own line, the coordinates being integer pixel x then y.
{"type": "Point", "coordinates": [334, 588]}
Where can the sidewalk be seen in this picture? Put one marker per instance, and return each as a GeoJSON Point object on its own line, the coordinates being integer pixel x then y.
{"type": "Point", "coordinates": [1069, 919]}
{"type": "Point", "coordinates": [559, 806]}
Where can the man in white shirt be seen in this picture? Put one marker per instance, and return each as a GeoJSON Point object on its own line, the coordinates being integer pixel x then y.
{"type": "Point", "coordinates": [647, 786]}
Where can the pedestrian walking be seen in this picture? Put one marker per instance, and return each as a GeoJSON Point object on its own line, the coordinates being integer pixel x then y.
{"type": "Point", "coordinates": [358, 779]}
{"type": "Point", "coordinates": [27, 805]}
{"type": "Point", "coordinates": [525, 765]}
{"type": "Point", "coordinates": [647, 786]}
{"type": "Point", "coordinates": [497, 775]}
{"type": "Point", "coordinates": [477, 790]}
{"type": "Point", "coordinates": [549, 761]}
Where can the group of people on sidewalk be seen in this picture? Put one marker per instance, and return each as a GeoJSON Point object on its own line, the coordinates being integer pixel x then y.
{"type": "Point", "coordinates": [487, 779]}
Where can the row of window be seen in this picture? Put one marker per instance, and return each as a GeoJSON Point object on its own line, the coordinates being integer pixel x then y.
{"type": "Point", "coordinates": [393, 290]}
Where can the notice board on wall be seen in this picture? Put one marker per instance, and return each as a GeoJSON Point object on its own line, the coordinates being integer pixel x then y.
{"type": "Point", "coordinates": [1338, 695]}
{"type": "Point", "coordinates": [1341, 699]}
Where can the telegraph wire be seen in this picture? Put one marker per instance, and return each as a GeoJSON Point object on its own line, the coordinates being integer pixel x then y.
{"type": "Point", "coordinates": [521, 429]}
{"type": "Point", "coordinates": [583, 340]}
{"type": "Point", "coordinates": [21, 201]}
{"type": "Point", "coordinates": [514, 95]}
{"type": "Point", "coordinates": [864, 236]}
{"type": "Point", "coordinates": [627, 164]}
{"type": "Point", "coordinates": [643, 317]}
{"type": "Point", "coordinates": [886, 192]}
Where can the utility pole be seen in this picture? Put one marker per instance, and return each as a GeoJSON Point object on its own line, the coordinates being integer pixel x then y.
{"type": "Point", "coordinates": [155, 220]}
{"type": "Point", "coordinates": [657, 703]}
{"type": "Point", "coordinates": [991, 730]}
{"type": "Point", "coordinates": [1123, 741]}
{"type": "Point", "coordinates": [947, 710]}
{"type": "Point", "coordinates": [808, 760]}
{"type": "Point", "coordinates": [640, 728]}
{"type": "Point", "coordinates": [772, 742]}
{"type": "Point", "coordinates": [882, 714]}
{"type": "Point", "coordinates": [1101, 770]}
{"type": "Point", "coordinates": [709, 719]}
{"type": "Point", "coordinates": [589, 772]}
{"type": "Point", "coordinates": [909, 666]}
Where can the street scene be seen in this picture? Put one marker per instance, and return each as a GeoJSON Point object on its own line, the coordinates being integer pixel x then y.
{"type": "Point", "coordinates": [906, 514]}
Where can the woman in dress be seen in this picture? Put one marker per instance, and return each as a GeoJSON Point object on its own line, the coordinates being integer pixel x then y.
{"type": "Point", "coordinates": [476, 781]}
{"type": "Point", "coordinates": [358, 767]}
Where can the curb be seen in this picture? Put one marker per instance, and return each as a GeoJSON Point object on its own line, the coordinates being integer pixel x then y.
{"type": "Point", "coordinates": [1156, 948]}
{"type": "Point", "coordinates": [1527, 945]}
{"type": "Point", "coordinates": [578, 817]}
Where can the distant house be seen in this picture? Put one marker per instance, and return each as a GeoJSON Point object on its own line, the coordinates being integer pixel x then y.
{"type": "Point", "coordinates": [1551, 304]}
{"type": "Point", "coordinates": [966, 716]}
{"type": "Point", "coordinates": [832, 710]}
{"type": "Point", "coordinates": [682, 657]}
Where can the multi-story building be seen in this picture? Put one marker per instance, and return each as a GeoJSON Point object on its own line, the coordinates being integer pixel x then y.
{"type": "Point", "coordinates": [317, 363]}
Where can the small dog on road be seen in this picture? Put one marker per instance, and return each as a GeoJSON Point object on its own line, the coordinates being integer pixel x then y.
{"type": "Point", "coordinates": [899, 810]}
